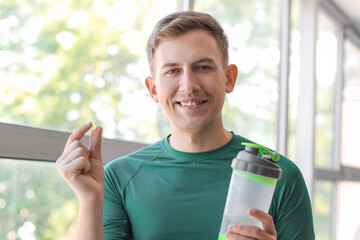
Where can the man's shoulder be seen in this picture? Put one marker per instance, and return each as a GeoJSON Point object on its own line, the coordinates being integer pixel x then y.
{"type": "Point", "coordinates": [147, 153]}
{"type": "Point", "coordinates": [291, 182]}
{"type": "Point", "coordinates": [289, 168]}
{"type": "Point", "coordinates": [125, 167]}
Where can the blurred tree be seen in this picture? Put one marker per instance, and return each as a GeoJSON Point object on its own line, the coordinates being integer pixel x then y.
{"type": "Point", "coordinates": [69, 61]}
{"type": "Point", "coordinates": [63, 63]}
{"type": "Point", "coordinates": [33, 192]}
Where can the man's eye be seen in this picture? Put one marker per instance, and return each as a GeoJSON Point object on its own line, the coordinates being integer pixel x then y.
{"type": "Point", "coordinates": [170, 72]}
{"type": "Point", "coordinates": [204, 67]}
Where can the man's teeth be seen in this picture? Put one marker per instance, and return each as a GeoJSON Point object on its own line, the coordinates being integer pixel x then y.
{"type": "Point", "coordinates": [189, 104]}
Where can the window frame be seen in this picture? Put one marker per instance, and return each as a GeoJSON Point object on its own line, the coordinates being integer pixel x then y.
{"type": "Point", "coordinates": [29, 143]}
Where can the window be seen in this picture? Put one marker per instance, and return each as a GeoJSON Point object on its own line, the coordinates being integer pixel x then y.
{"type": "Point", "coordinates": [322, 204]}
{"type": "Point", "coordinates": [64, 63]}
{"type": "Point", "coordinates": [326, 70]}
{"type": "Point", "coordinates": [253, 31]}
{"type": "Point", "coordinates": [34, 199]}
{"type": "Point", "coordinates": [348, 223]}
{"type": "Point", "coordinates": [294, 71]}
{"type": "Point", "coordinates": [334, 73]}
{"type": "Point", "coordinates": [351, 106]}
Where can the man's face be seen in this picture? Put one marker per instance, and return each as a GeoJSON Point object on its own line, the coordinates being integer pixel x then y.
{"type": "Point", "coordinates": [190, 82]}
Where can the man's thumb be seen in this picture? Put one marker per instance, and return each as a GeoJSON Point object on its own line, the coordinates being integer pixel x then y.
{"type": "Point", "coordinates": [95, 143]}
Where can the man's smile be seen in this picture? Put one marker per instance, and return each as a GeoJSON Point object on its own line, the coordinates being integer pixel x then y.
{"type": "Point", "coordinates": [191, 103]}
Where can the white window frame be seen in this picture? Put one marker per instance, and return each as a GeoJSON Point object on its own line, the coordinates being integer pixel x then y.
{"type": "Point", "coordinates": [29, 143]}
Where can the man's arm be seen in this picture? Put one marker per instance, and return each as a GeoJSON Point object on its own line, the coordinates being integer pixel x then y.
{"type": "Point", "coordinates": [116, 222]}
{"type": "Point", "coordinates": [83, 170]}
{"type": "Point", "coordinates": [90, 221]}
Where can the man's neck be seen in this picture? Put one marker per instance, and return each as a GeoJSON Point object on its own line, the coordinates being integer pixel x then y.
{"type": "Point", "coordinates": [199, 141]}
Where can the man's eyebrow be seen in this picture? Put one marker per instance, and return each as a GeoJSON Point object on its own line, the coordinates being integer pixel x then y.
{"type": "Point", "coordinates": [169, 64]}
{"type": "Point", "coordinates": [201, 60]}
{"type": "Point", "coordinates": [204, 60]}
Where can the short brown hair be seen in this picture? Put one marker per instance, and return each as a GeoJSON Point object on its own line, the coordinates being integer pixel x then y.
{"type": "Point", "coordinates": [179, 23]}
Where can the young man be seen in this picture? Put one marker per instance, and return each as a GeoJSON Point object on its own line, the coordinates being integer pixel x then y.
{"type": "Point", "coordinates": [177, 187]}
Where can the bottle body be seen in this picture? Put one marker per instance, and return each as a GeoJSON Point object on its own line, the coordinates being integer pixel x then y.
{"type": "Point", "coordinates": [246, 190]}
{"type": "Point", "coordinates": [252, 185]}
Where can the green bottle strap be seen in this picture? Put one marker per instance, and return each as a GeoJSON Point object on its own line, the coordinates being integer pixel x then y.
{"type": "Point", "coordinates": [222, 237]}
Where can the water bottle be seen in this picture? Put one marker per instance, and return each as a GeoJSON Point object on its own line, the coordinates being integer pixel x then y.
{"type": "Point", "coordinates": [252, 184]}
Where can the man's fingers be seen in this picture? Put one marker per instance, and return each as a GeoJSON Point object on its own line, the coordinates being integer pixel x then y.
{"type": "Point", "coordinates": [77, 152]}
{"type": "Point", "coordinates": [95, 143]}
{"type": "Point", "coordinates": [74, 146]}
{"type": "Point", "coordinates": [81, 164]}
{"type": "Point", "coordinates": [75, 167]}
{"type": "Point", "coordinates": [240, 231]}
{"type": "Point", "coordinates": [265, 219]}
{"type": "Point", "coordinates": [78, 133]}
{"type": "Point", "coordinates": [237, 232]}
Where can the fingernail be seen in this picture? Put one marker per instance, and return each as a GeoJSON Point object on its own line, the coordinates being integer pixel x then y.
{"type": "Point", "coordinates": [231, 226]}
{"type": "Point", "coordinates": [251, 211]}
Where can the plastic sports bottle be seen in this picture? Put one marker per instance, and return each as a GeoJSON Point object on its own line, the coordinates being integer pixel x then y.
{"type": "Point", "coordinates": [252, 184]}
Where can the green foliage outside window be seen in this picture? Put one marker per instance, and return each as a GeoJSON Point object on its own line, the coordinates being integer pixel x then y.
{"type": "Point", "coordinates": [35, 202]}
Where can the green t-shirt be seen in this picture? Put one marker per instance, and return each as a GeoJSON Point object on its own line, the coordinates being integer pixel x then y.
{"type": "Point", "coordinates": [160, 193]}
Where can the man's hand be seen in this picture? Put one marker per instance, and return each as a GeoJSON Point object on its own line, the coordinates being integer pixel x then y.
{"type": "Point", "coordinates": [81, 167]}
{"type": "Point", "coordinates": [239, 231]}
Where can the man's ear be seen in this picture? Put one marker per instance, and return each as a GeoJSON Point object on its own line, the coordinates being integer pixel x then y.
{"type": "Point", "coordinates": [151, 86]}
{"type": "Point", "coordinates": [231, 72]}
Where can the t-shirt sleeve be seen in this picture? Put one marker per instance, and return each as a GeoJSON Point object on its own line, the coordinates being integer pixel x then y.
{"type": "Point", "coordinates": [291, 207]}
{"type": "Point", "coordinates": [115, 219]}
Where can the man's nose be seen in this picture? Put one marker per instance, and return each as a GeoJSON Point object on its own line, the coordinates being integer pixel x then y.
{"type": "Point", "coordinates": [189, 83]}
